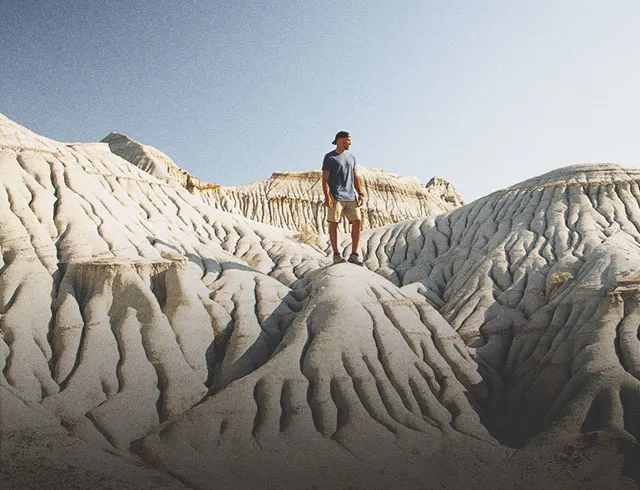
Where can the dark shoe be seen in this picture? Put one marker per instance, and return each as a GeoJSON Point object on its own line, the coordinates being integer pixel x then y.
{"type": "Point", "coordinates": [355, 259]}
{"type": "Point", "coordinates": [338, 259]}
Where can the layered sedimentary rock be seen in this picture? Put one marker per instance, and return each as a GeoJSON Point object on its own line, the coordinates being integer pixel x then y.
{"type": "Point", "coordinates": [294, 200]}
{"type": "Point", "coordinates": [106, 325]}
{"type": "Point", "coordinates": [538, 281]}
{"type": "Point", "coordinates": [150, 340]}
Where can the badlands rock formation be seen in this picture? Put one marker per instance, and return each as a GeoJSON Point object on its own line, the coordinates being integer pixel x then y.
{"type": "Point", "coordinates": [146, 157]}
{"type": "Point", "coordinates": [150, 340]}
{"type": "Point", "coordinates": [294, 200]}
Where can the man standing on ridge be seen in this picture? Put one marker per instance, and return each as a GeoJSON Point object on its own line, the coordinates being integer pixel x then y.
{"type": "Point", "coordinates": [342, 195]}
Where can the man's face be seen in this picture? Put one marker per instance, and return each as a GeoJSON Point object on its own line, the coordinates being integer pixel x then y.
{"type": "Point", "coordinates": [346, 142]}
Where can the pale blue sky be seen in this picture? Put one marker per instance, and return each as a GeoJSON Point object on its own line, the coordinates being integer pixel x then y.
{"type": "Point", "coordinates": [484, 93]}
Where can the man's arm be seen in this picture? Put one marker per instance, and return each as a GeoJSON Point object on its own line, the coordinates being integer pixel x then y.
{"type": "Point", "coordinates": [356, 182]}
{"type": "Point", "coordinates": [328, 201]}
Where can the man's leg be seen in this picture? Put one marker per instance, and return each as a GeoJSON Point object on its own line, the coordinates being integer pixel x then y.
{"type": "Point", "coordinates": [353, 214]}
{"type": "Point", "coordinates": [355, 236]}
{"type": "Point", "coordinates": [333, 236]}
{"type": "Point", "coordinates": [355, 243]}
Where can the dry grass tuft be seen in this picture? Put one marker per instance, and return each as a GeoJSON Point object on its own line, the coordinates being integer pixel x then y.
{"type": "Point", "coordinates": [307, 235]}
{"type": "Point", "coordinates": [253, 262]}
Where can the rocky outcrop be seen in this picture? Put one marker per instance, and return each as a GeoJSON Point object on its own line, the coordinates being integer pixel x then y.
{"type": "Point", "coordinates": [294, 200]}
{"type": "Point", "coordinates": [146, 157]}
{"type": "Point", "coordinates": [539, 280]}
{"type": "Point", "coordinates": [148, 339]}
{"type": "Point", "coordinates": [444, 190]}
{"type": "Point", "coordinates": [102, 270]}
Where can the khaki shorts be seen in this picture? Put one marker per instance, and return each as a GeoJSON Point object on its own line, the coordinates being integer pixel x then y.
{"type": "Point", "coordinates": [350, 210]}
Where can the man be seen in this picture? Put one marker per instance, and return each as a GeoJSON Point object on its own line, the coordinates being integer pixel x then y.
{"type": "Point", "coordinates": [342, 195]}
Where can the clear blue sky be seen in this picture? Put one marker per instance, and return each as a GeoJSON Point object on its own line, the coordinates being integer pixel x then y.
{"type": "Point", "coordinates": [484, 93]}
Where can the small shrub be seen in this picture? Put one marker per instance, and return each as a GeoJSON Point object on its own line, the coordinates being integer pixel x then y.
{"type": "Point", "coordinates": [560, 278]}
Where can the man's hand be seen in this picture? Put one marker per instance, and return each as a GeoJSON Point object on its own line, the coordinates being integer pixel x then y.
{"type": "Point", "coordinates": [328, 202]}
{"type": "Point", "coordinates": [360, 200]}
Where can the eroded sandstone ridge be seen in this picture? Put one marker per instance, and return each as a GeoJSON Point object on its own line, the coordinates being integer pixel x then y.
{"type": "Point", "coordinates": [150, 340]}
{"type": "Point", "coordinates": [294, 200]}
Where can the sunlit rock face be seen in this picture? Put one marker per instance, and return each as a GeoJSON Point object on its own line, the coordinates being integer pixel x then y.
{"type": "Point", "coordinates": [148, 339]}
{"type": "Point", "coordinates": [294, 200]}
{"type": "Point", "coordinates": [146, 157]}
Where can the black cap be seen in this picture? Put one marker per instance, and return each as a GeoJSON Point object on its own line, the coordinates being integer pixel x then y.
{"type": "Point", "coordinates": [341, 134]}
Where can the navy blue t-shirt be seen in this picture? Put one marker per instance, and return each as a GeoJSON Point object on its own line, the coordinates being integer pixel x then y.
{"type": "Point", "coordinates": [341, 181]}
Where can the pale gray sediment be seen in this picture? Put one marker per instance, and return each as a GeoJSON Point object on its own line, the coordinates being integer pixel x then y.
{"type": "Point", "coordinates": [148, 339]}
